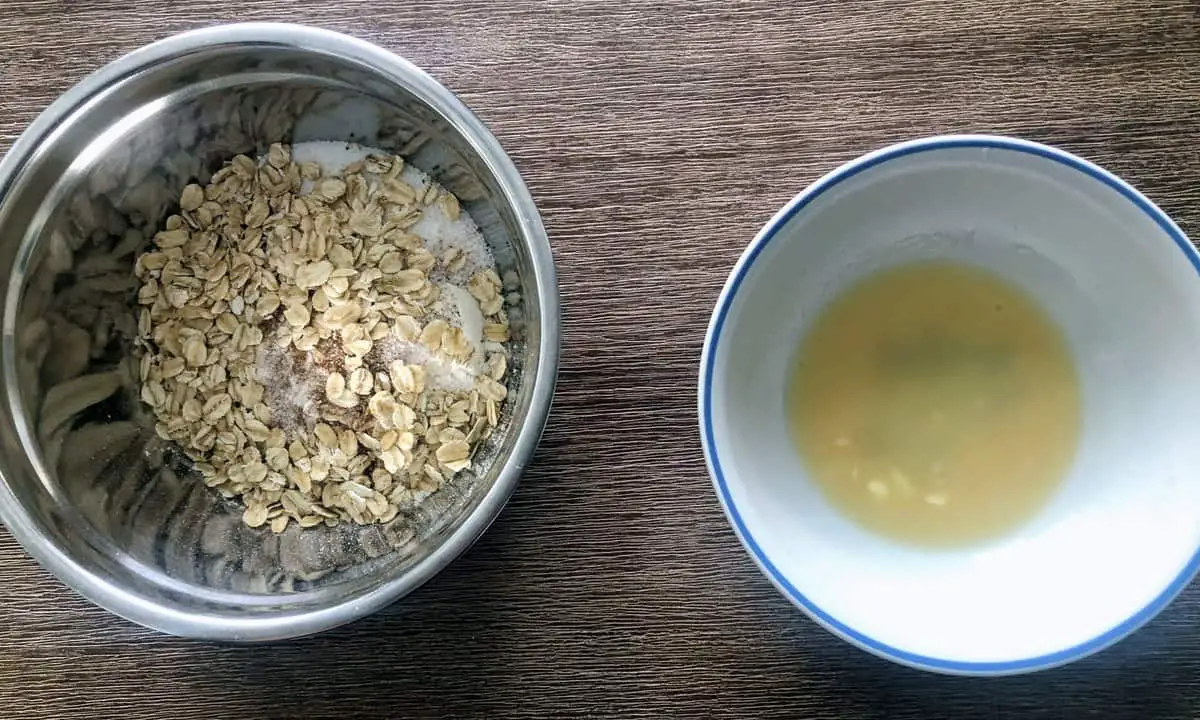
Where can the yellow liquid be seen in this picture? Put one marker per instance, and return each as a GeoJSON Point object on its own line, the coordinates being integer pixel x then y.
{"type": "Point", "coordinates": [935, 404]}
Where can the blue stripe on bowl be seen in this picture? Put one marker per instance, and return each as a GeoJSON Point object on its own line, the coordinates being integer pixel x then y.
{"type": "Point", "coordinates": [705, 399]}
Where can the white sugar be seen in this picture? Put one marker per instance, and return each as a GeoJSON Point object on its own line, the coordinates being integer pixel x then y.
{"type": "Point", "coordinates": [333, 157]}
{"type": "Point", "coordinates": [457, 307]}
{"type": "Point", "coordinates": [440, 234]}
{"type": "Point", "coordinates": [440, 372]}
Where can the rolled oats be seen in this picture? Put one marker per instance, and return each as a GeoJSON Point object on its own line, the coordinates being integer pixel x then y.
{"type": "Point", "coordinates": [291, 341]}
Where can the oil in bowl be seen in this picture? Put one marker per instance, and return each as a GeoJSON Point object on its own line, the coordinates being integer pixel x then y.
{"type": "Point", "coordinates": [935, 404]}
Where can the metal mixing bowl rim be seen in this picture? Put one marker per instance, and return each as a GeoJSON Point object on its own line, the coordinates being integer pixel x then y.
{"type": "Point", "coordinates": [293, 623]}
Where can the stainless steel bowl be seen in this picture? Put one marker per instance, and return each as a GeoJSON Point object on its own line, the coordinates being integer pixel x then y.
{"type": "Point", "coordinates": [88, 489]}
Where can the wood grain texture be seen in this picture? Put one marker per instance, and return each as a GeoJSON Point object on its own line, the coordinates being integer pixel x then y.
{"type": "Point", "coordinates": [656, 138]}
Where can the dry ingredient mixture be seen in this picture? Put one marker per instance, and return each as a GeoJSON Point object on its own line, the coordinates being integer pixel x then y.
{"type": "Point", "coordinates": [323, 331]}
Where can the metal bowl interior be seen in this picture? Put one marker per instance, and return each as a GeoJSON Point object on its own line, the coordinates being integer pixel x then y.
{"type": "Point", "coordinates": [89, 489]}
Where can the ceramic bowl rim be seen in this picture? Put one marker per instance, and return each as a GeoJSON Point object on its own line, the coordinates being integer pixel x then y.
{"type": "Point", "coordinates": [721, 485]}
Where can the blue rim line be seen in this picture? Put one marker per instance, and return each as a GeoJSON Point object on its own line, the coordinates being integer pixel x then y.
{"type": "Point", "coordinates": [714, 335]}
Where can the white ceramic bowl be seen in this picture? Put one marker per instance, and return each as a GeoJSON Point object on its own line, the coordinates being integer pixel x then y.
{"type": "Point", "coordinates": [1119, 539]}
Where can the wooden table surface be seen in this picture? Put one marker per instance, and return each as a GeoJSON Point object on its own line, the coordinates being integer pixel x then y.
{"type": "Point", "coordinates": [656, 138]}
